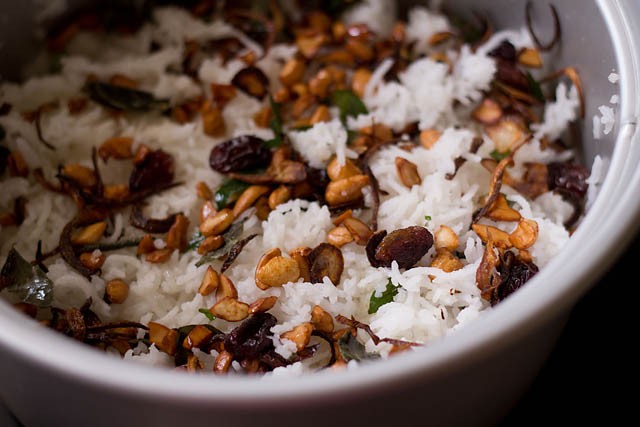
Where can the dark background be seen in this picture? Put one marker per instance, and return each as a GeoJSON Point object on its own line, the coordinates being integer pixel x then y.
{"type": "Point", "coordinates": [590, 376]}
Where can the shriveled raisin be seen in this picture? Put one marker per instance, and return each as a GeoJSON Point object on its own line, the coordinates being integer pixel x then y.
{"type": "Point", "coordinates": [252, 338]}
{"type": "Point", "coordinates": [240, 154]}
{"type": "Point", "coordinates": [505, 50]}
{"type": "Point", "coordinates": [568, 178]}
{"type": "Point", "coordinates": [155, 169]}
{"type": "Point", "coordinates": [405, 246]}
{"type": "Point", "coordinates": [570, 181]}
{"type": "Point", "coordinates": [513, 273]}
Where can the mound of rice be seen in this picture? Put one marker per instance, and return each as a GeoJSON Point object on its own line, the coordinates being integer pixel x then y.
{"type": "Point", "coordinates": [430, 303]}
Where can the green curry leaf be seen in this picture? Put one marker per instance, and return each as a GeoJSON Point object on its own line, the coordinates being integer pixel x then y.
{"type": "Point", "coordinates": [229, 192]}
{"type": "Point", "coordinates": [376, 301]}
{"type": "Point", "coordinates": [348, 103]}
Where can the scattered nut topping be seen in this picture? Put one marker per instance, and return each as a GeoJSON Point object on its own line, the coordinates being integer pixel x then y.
{"type": "Point", "coordinates": [230, 309]}
{"type": "Point", "coordinates": [159, 256]}
{"type": "Point", "coordinates": [92, 260]}
{"type": "Point", "coordinates": [300, 335]}
{"type": "Point", "coordinates": [429, 137]}
{"type": "Point", "coordinates": [525, 234]}
{"type": "Point", "coordinates": [446, 238]}
{"type": "Point", "coordinates": [446, 261]}
{"type": "Point", "coordinates": [222, 362]}
{"type": "Point", "coordinates": [346, 190]}
{"type": "Point", "coordinates": [321, 320]}
{"type": "Point", "coordinates": [90, 234]}
{"type": "Point", "coordinates": [248, 198]}
{"type": "Point", "coordinates": [210, 282]}
{"type": "Point", "coordinates": [262, 305]}
{"type": "Point", "coordinates": [488, 232]}
{"type": "Point", "coordinates": [116, 291]}
{"type": "Point", "coordinates": [358, 229]}
{"type": "Point", "coordinates": [119, 148]}
{"type": "Point", "coordinates": [199, 335]}
{"type": "Point", "coordinates": [407, 172]}
{"type": "Point", "coordinates": [226, 288]}
{"type": "Point", "coordinates": [339, 236]}
{"type": "Point", "coordinates": [203, 191]}
{"type": "Point", "coordinates": [217, 223]}
{"type": "Point", "coordinates": [165, 339]}
{"type": "Point", "coordinates": [501, 211]}
{"type": "Point", "coordinates": [278, 271]}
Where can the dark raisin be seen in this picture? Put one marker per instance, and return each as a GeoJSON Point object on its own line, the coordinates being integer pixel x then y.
{"type": "Point", "coordinates": [326, 260]}
{"type": "Point", "coordinates": [252, 338]}
{"type": "Point", "coordinates": [154, 170]}
{"type": "Point", "coordinates": [240, 154]}
{"type": "Point", "coordinates": [405, 246]}
{"type": "Point", "coordinates": [509, 74]}
{"type": "Point", "coordinates": [513, 273]}
{"type": "Point", "coordinates": [570, 181]}
{"type": "Point", "coordinates": [505, 50]}
{"type": "Point", "coordinates": [252, 81]}
{"type": "Point", "coordinates": [372, 245]}
{"type": "Point", "coordinates": [568, 178]}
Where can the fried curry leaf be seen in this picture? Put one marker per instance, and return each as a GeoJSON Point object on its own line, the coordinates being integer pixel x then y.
{"type": "Point", "coordinates": [123, 98]}
{"type": "Point", "coordinates": [376, 301]}
{"type": "Point", "coordinates": [276, 125]}
{"type": "Point", "coordinates": [29, 282]}
{"type": "Point", "coordinates": [120, 244]}
{"type": "Point", "coordinates": [352, 349]}
{"type": "Point", "coordinates": [534, 88]}
{"type": "Point", "coordinates": [231, 237]}
{"type": "Point", "coordinates": [229, 192]}
{"type": "Point", "coordinates": [348, 103]}
{"type": "Point", "coordinates": [194, 242]}
{"type": "Point", "coordinates": [207, 313]}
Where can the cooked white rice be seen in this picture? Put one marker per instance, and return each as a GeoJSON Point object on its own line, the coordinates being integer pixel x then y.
{"type": "Point", "coordinates": [426, 307]}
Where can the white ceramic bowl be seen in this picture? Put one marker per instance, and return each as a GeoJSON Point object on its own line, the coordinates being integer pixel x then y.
{"type": "Point", "coordinates": [469, 378]}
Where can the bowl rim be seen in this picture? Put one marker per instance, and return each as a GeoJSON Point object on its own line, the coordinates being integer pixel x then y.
{"type": "Point", "coordinates": [507, 322]}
